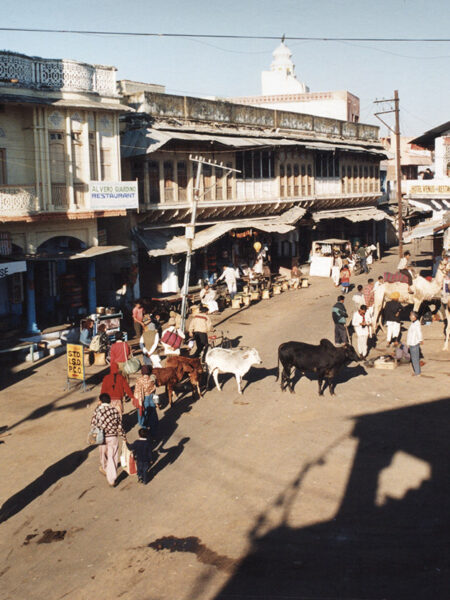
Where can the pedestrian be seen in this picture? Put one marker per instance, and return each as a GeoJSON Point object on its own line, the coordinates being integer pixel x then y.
{"type": "Point", "coordinates": [138, 318]}
{"type": "Point", "coordinates": [148, 343]}
{"type": "Point", "coordinates": [405, 268]}
{"type": "Point", "coordinates": [229, 275]}
{"type": "Point", "coordinates": [378, 283]}
{"type": "Point", "coordinates": [340, 315]}
{"type": "Point", "coordinates": [392, 318]}
{"type": "Point", "coordinates": [369, 298]}
{"type": "Point", "coordinates": [116, 386]}
{"type": "Point", "coordinates": [369, 293]}
{"type": "Point", "coordinates": [401, 353]}
{"type": "Point", "coordinates": [142, 451]}
{"type": "Point", "coordinates": [208, 298]}
{"type": "Point", "coordinates": [361, 326]}
{"type": "Point", "coordinates": [345, 279]}
{"type": "Point", "coordinates": [87, 328]}
{"type": "Point", "coordinates": [107, 418]}
{"type": "Point", "coordinates": [362, 253]}
{"type": "Point", "coordinates": [336, 268]}
{"type": "Point", "coordinates": [358, 297]}
{"type": "Point", "coordinates": [199, 328]}
{"type": "Point", "coordinates": [414, 340]}
{"type": "Point", "coordinates": [144, 391]}
{"type": "Point", "coordinates": [120, 351]}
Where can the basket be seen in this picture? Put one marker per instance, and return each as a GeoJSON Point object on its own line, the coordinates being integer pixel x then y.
{"type": "Point", "coordinates": [256, 295]}
{"type": "Point", "coordinates": [276, 289]}
{"type": "Point", "coordinates": [246, 300]}
{"type": "Point", "coordinates": [305, 283]}
{"type": "Point", "coordinates": [236, 303]}
{"type": "Point", "coordinates": [265, 295]}
{"type": "Point", "coordinates": [99, 359]}
{"type": "Point", "coordinates": [285, 286]}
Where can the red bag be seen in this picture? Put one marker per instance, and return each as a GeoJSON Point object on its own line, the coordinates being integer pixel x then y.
{"type": "Point", "coordinates": [172, 339]}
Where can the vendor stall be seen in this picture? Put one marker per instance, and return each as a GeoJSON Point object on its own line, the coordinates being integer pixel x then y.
{"type": "Point", "coordinates": [322, 255]}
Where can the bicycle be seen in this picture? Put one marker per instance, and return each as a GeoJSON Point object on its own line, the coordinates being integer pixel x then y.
{"type": "Point", "coordinates": [220, 341]}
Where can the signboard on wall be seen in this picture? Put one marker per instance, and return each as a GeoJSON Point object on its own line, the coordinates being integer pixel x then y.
{"type": "Point", "coordinates": [113, 195]}
{"type": "Point", "coordinates": [430, 187]}
{"type": "Point", "coordinates": [9, 268]}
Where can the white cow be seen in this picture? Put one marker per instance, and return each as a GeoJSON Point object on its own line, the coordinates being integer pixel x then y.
{"type": "Point", "coordinates": [237, 361]}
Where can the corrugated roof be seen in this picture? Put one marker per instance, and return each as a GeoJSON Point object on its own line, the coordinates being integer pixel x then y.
{"type": "Point", "coordinates": [136, 142]}
{"type": "Point", "coordinates": [353, 214]}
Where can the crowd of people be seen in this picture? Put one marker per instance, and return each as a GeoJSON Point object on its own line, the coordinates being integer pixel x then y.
{"type": "Point", "coordinates": [362, 323]}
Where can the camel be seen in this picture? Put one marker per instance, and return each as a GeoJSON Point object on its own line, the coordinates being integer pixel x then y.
{"type": "Point", "coordinates": [422, 290]}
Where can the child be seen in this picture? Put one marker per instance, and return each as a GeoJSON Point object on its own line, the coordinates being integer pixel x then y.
{"type": "Point", "coordinates": [345, 279]}
{"type": "Point", "coordinates": [142, 451]}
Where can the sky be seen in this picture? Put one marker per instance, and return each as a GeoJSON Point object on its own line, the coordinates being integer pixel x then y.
{"type": "Point", "coordinates": [220, 67]}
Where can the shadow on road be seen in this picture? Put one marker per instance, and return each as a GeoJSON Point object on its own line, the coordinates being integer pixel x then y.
{"type": "Point", "coordinates": [390, 534]}
{"type": "Point", "coordinates": [62, 468]}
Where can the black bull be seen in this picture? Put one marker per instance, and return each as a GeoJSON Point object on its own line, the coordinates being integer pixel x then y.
{"type": "Point", "coordinates": [324, 359]}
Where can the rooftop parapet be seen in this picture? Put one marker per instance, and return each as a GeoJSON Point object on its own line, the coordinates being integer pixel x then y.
{"type": "Point", "coordinates": [45, 74]}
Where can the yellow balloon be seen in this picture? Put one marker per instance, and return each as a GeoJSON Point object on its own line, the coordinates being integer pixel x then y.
{"type": "Point", "coordinates": [257, 246]}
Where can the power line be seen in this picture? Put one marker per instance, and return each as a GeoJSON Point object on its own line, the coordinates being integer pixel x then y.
{"type": "Point", "coordinates": [222, 36]}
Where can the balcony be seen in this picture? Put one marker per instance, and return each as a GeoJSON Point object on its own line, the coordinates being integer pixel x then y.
{"type": "Point", "coordinates": [61, 196]}
{"type": "Point", "coordinates": [56, 74]}
{"type": "Point", "coordinates": [18, 200]}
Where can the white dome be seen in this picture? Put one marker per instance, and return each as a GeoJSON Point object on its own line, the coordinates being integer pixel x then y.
{"type": "Point", "coordinates": [282, 59]}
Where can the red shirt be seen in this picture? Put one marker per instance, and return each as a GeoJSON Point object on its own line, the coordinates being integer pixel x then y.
{"type": "Point", "coordinates": [138, 313]}
{"type": "Point", "coordinates": [120, 351]}
{"type": "Point", "coordinates": [117, 391]}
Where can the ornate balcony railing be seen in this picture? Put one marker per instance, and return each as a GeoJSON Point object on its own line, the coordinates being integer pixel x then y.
{"type": "Point", "coordinates": [18, 200]}
{"type": "Point", "coordinates": [56, 74]}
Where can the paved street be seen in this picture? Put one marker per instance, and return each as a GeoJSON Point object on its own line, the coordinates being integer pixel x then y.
{"type": "Point", "coordinates": [264, 495]}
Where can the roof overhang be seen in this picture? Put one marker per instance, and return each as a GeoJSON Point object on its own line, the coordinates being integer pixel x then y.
{"type": "Point", "coordinates": [164, 242]}
{"type": "Point", "coordinates": [88, 103]}
{"type": "Point", "coordinates": [355, 215]}
{"type": "Point", "coordinates": [143, 141]}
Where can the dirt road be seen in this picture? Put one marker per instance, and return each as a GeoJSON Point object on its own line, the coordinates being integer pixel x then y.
{"type": "Point", "coordinates": [264, 495]}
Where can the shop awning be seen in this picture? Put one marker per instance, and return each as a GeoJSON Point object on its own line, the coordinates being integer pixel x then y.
{"type": "Point", "coordinates": [163, 242]}
{"type": "Point", "coordinates": [355, 215]}
{"type": "Point", "coordinates": [424, 229]}
{"type": "Point", "coordinates": [145, 141]}
{"type": "Point", "coordinates": [94, 251]}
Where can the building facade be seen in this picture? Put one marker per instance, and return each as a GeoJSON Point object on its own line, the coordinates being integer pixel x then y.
{"type": "Point", "coordinates": [288, 176]}
{"type": "Point", "coordinates": [59, 131]}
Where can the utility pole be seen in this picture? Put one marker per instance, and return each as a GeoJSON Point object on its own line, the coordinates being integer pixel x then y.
{"type": "Point", "coordinates": [398, 168]}
{"type": "Point", "coordinates": [190, 229]}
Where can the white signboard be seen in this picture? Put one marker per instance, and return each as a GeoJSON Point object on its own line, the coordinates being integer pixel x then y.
{"type": "Point", "coordinates": [427, 187]}
{"type": "Point", "coordinates": [113, 195]}
{"type": "Point", "coordinates": [321, 266]}
{"type": "Point", "coordinates": [18, 266]}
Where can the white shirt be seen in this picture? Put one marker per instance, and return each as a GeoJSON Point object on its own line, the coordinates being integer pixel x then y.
{"type": "Point", "coordinates": [357, 323]}
{"type": "Point", "coordinates": [358, 299]}
{"type": "Point", "coordinates": [403, 264]}
{"type": "Point", "coordinates": [414, 336]}
{"type": "Point", "coordinates": [377, 284]}
{"type": "Point", "coordinates": [229, 275]}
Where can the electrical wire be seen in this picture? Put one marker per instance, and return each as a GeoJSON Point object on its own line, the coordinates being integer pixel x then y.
{"type": "Point", "coordinates": [223, 36]}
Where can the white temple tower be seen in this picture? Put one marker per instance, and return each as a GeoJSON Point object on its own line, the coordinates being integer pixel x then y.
{"type": "Point", "coordinates": [281, 78]}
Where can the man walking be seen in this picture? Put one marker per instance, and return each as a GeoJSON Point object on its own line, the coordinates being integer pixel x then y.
{"type": "Point", "coordinates": [340, 315]}
{"type": "Point", "coordinates": [108, 419]}
{"type": "Point", "coordinates": [414, 340]}
{"type": "Point", "coordinates": [230, 279]}
{"type": "Point", "coordinates": [362, 253]}
{"type": "Point", "coordinates": [199, 328]}
{"type": "Point", "coordinates": [361, 324]}
{"type": "Point", "coordinates": [392, 318]}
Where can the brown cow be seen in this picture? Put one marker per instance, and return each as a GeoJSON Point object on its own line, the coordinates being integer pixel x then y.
{"type": "Point", "coordinates": [169, 377]}
{"type": "Point", "coordinates": [191, 366]}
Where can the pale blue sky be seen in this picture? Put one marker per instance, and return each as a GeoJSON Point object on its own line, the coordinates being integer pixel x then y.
{"type": "Point", "coordinates": [370, 70]}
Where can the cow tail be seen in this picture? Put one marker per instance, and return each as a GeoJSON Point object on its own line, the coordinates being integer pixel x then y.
{"type": "Point", "coordinates": [278, 368]}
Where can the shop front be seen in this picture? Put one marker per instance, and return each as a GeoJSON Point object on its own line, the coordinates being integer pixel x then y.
{"type": "Point", "coordinates": [12, 299]}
